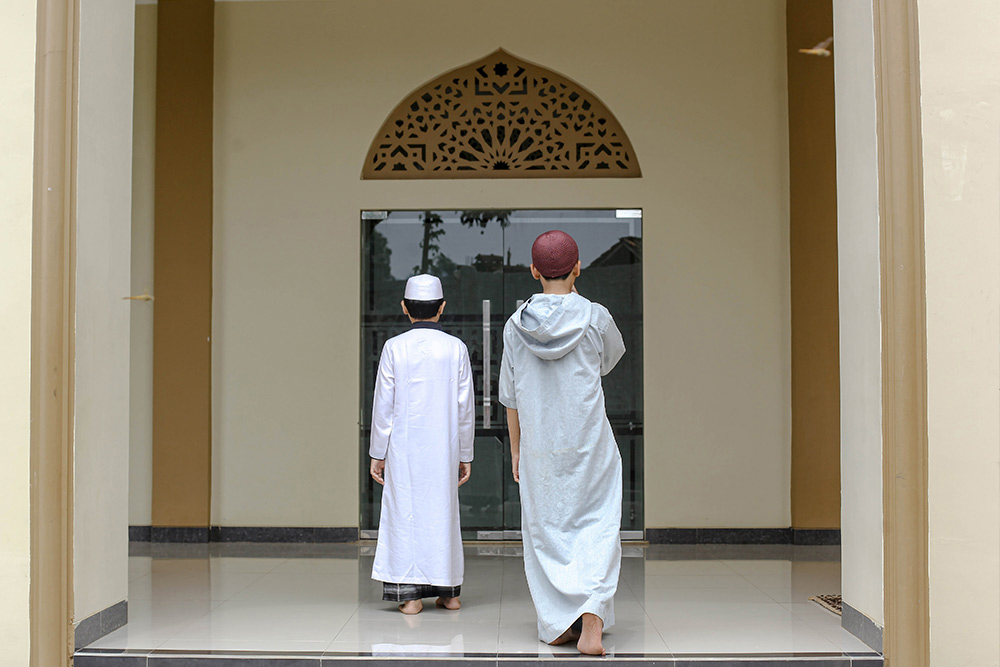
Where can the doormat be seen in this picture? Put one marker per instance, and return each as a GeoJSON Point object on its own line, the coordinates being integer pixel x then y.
{"type": "Point", "coordinates": [829, 602]}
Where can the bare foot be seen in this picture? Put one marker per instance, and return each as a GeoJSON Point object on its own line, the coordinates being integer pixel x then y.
{"type": "Point", "coordinates": [448, 603]}
{"type": "Point", "coordinates": [590, 638]}
{"type": "Point", "coordinates": [571, 634]}
{"type": "Point", "coordinates": [411, 607]}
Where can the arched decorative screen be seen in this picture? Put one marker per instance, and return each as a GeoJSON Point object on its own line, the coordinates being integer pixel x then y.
{"type": "Point", "coordinates": [501, 117]}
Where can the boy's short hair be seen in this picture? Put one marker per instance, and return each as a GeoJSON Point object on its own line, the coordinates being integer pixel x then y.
{"type": "Point", "coordinates": [562, 277]}
{"type": "Point", "coordinates": [422, 310]}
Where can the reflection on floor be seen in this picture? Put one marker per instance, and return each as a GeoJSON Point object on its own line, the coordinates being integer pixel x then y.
{"type": "Point", "coordinates": [318, 602]}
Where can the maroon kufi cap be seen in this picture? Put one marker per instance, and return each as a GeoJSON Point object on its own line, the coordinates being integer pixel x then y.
{"type": "Point", "coordinates": [554, 253]}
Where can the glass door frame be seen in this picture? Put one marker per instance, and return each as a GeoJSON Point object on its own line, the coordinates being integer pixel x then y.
{"type": "Point", "coordinates": [490, 417]}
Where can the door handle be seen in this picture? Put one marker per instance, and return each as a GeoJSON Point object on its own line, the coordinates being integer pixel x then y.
{"type": "Point", "coordinates": [487, 389]}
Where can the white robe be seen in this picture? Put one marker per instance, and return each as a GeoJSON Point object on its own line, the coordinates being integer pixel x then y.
{"type": "Point", "coordinates": [423, 424]}
{"type": "Point", "coordinates": [556, 349]}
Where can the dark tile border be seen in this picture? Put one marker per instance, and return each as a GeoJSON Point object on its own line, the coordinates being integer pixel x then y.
{"type": "Point", "coordinates": [796, 536]}
{"type": "Point", "coordinates": [861, 627]}
{"type": "Point", "coordinates": [140, 533]}
{"type": "Point", "coordinates": [816, 537]}
{"type": "Point", "coordinates": [274, 535]}
{"type": "Point", "coordinates": [192, 660]}
{"type": "Point", "coordinates": [709, 660]}
{"type": "Point", "coordinates": [102, 623]}
{"type": "Point", "coordinates": [330, 534]}
{"type": "Point", "coordinates": [188, 534]}
{"type": "Point", "coordinates": [719, 535]}
{"type": "Point", "coordinates": [334, 534]}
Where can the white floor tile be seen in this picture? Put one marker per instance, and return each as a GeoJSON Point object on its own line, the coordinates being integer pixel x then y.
{"type": "Point", "coordinates": [475, 608]}
{"type": "Point", "coordinates": [150, 623]}
{"type": "Point", "coordinates": [672, 567]}
{"type": "Point", "coordinates": [179, 585]}
{"type": "Point", "coordinates": [259, 644]}
{"type": "Point", "coordinates": [758, 567]}
{"type": "Point", "coordinates": [630, 636]}
{"type": "Point", "coordinates": [289, 587]}
{"type": "Point", "coordinates": [418, 633]}
{"type": "Point", "coordinates": [666, 581]}
{"type": "Point", "coordinates": [768, 634]}
{"type": "Point", "coordinates": [322, 566]}
{"type": "Point", "coordinates": [126, 637]}
{"type": "Point", "coordinates": [139, 567]}
{"type": "Point", "coordinates": [312, 604]}
{"type": "Point", "coordinates": [256, 565]}
{"type": "Point", "coordinates": [285, 621]}
{"type": "Point", "coordinates": [827, 624]}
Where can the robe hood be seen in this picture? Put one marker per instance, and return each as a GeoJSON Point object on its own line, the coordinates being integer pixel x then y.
{"type": "Point", "coordinates": [552, 325]}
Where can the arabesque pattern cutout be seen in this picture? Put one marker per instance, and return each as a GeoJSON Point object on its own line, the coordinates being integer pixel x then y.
{"type": "Point", "coordinates": [501, 117]}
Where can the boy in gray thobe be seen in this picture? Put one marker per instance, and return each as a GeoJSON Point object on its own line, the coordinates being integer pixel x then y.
{"type": "Point", "coordinates": [557, 346]}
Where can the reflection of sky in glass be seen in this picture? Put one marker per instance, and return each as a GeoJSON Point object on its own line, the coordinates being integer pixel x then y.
{"type": "Point", "coordinates": [594, 232]}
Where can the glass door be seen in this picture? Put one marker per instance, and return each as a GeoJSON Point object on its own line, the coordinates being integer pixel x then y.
{"type": "Point", "coordinates": [482, 258]}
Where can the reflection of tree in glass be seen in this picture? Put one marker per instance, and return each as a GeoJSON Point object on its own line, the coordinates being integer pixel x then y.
{"type": "Point", "coordinates": [482, 217]}
{"type": "Point", "coordinates": [441, 266]}
{"type": "Point", "coordinates": [432, 232]}
{"type": "Point", "coordinates": [380, 254]}
{"type": "Point", "coordinates": [432, 260]}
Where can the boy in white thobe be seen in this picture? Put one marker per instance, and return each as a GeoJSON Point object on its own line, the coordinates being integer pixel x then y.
{"type": "Point", "coordinates": [557, 346]}
{"type": "Point", "coordinates": [421, 449]}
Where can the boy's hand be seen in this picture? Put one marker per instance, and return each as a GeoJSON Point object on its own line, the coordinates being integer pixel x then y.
{"type": "Point", "coordinates": [377, 470]}
{"type": "Point", "coordinates": [464, 472]}
{"type": "Point", "coordinates": [515, 459]}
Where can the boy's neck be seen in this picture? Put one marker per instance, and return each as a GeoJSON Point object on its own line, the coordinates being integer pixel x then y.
{"type": "Point", "coordinates": [562, 287]}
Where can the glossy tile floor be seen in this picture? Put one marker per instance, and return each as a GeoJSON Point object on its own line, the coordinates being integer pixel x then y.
{"type": "Point", "coordinates": [319, 598]}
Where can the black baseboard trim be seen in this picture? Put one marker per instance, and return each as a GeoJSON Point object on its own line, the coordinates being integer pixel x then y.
{"type": "Point", "coordinates": [326, 534]}
{"type": "Point", "coordinates": [798, 536]}
{"type": "Point", "coordinates": [185, 534]}
{"type": "Point", "coordinates": [816, 536]}
{"type": "Point", "coordinates": [266, 534]}
{"type": "Point", "coordinates": [140, 533]}
{"type": "Point", "coordinates": [335, 534]}
{"type": "Point", "coordinates": [104, 622]}
{"type": "Point", "coordinates": [861, 627]}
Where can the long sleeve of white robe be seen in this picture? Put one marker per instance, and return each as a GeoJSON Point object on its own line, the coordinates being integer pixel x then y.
{"type": "Point", "coordinates": [423, 425]}
{"type": "Point", "coordinates": [556, 349]}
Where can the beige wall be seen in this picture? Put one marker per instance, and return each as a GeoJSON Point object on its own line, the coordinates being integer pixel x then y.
{"type": "Point", "coordinates": [860, 324]}
{"type": "Point", "coordinates": [140, 487]}
{"type": "Point", "coordinates": [103, 203]}
{"type": "Point", "coordinates": [17, 118]}
{"type": "Point", "coordinates": [300, 90]}
{"type": "Point", "coordinates": [960, 98]}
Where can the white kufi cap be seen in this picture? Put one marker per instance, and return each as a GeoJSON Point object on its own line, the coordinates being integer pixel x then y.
{"type": "Point", "coordinates": [424, 288]}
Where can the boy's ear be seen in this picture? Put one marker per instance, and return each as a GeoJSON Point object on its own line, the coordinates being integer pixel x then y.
{"type": "Point", "coordinates": [441, 309]}
{"type": "Point", "coordinates": [576, 269]}
{"type": "Point", "coordinates": [405, 311]}
{"type": "Point", "coordinates": [535, 274]}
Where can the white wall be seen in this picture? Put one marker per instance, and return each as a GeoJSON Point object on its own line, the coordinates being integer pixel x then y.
{"type": "Point", "coordinates": [300, 90]}
{"type": "Point", "coordinates": [140, 487]}
{"type": "Point", "coordinates": [103, 214]}
{"type": "Point", "coordinates": [960, 117]}
{"type": "Point", "coordinates": [860, 323]}
{"type": "Point", "coordinates": [17, 119]}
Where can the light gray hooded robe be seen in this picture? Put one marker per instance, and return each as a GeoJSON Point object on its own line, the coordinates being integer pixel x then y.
{"type": "Point", "coordinates": [556, 349]}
